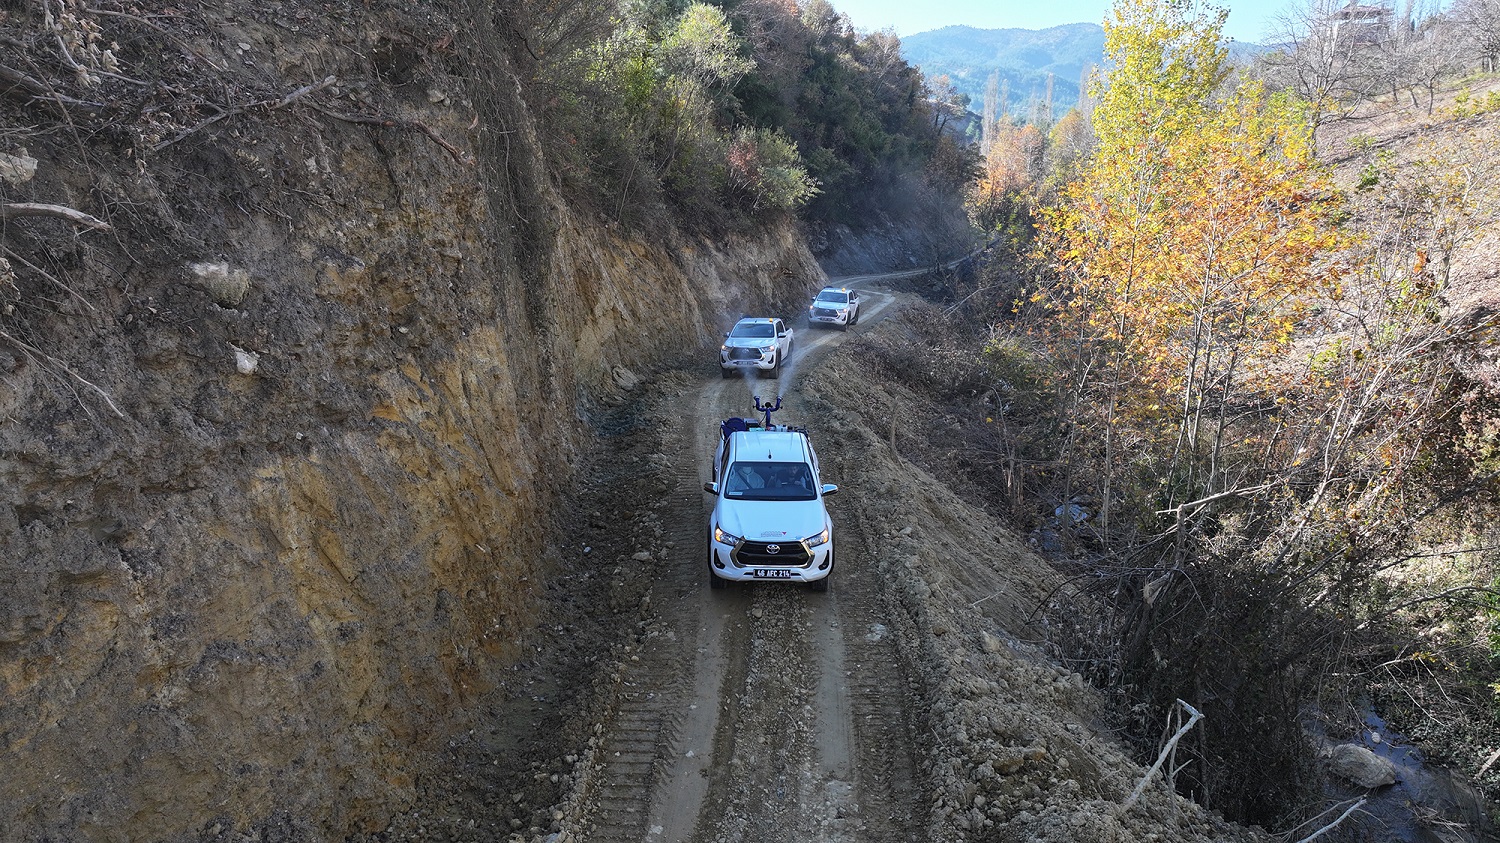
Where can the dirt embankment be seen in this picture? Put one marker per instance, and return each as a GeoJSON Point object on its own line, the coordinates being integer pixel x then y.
{"type": "Point", "coordinates": [914, 701]}
{"type": "Point", "coordinates": [281, 436]}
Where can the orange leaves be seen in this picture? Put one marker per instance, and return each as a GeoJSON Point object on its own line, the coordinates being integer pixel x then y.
{"type": "Point", "coordinates": [1012, 169]}
{"type": "Point", "coordinates": [1207, 250]}
{"type": "Point", "coordinates": [1191, 245]}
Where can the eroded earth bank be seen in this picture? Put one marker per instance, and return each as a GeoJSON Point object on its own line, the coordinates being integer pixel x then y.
{"type": "Point", "coordinates": [915, 701]}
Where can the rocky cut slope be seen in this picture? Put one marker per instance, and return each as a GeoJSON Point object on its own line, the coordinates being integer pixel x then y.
{"type": "Point", "coordinates": [297, 343]}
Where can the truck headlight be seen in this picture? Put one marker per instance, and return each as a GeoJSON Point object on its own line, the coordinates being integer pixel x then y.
{"type": "Point", "coordinates": [820, 538]}
{"type": "Point", "coordinates": [725, 538]}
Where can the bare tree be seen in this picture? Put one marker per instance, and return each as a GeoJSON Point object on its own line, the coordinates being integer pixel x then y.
{"type": "Point", "coordinates": [1480, 20]}
{"type": "Point", "coordinates": [1322, 59]}
{"type": "Point", "coordinates": [1440, 51]}
{"type": "Point", "coordinates": [991, 112]}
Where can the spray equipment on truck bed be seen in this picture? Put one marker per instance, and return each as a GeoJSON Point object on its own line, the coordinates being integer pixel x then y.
{"type": "Point", "coordinates": [734, 425]}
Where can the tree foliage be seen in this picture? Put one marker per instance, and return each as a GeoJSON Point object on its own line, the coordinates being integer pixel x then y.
{"type": "Point", "coordinates": [1187, 250]}
{"type": "Point", "coordinates": [1264, 412]}
{"type": "Point", "coordinates": [727, 111]}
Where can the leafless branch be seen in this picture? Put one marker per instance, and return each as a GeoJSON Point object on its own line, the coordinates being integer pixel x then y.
{"type": "Point", "coordinates": [23, 86]}
{"type": "Point", "coordinates": [14, 210]}
{"type": "Point", "coordinates": [37, 353]}
{"type": "Point", "coordinates": [1451, 594]}
{"type": "Point", "coordinates": [1194, 715]}
{"type": "Point", "coordinates": [1201, 502]}
{"type": "Point", "coordinates": [143, 21]}
{"type": "Point", "coordinates": [270, 104]}
{"type": "Point", "coordinates": [398, 123]}
{"type": "Point", "coordinates": [1330, 826]}
{"type": "Point", "coordinates": [47, 275]}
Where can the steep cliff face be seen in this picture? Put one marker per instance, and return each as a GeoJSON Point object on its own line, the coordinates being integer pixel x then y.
{"type": "Point", "coordinates": [278, 447]}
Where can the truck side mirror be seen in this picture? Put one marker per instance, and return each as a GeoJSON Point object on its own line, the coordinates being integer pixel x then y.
{"type": "Point", "coordinates": [828, 489]}
{"type": "Point", "coordinates": [711, 488]}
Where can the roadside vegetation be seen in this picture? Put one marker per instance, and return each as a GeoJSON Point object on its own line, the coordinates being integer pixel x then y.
{"type": "Point", "coordinates": [722, 112]}
{"type": "Point", "coordinates": [1250, 395]}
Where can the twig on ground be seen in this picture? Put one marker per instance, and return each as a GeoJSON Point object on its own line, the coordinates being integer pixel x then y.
{"type": "Point", "coordinates": [1319, 832]}
{"type": "Point", "coordinates": [1194, 716]}
{"type": "Point", "coordinates": [12, 210]}
{"type": "Point", "coordinates": [1494, 756]}
{"type": "Point", "coordinates": [271, 104]}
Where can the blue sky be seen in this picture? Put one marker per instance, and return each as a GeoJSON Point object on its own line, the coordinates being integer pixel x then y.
{"type": "Point", "coordinates": [1248, 19]}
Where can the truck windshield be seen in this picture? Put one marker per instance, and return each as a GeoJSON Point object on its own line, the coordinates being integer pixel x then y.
{"type": "Point", "coordinates": [756, 330]}
{"type": "Point", "coordinates": [833, 297]}
{"type": "Point", "coordinates": [769, 481]}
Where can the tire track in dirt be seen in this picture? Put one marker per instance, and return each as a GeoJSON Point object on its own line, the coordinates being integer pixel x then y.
{"type": "Point", "coordinates": [656, 708]}
{"type": "Point", "coordinates": [761, 713]}
{"type": "Point", "coordinates": [686, 791]}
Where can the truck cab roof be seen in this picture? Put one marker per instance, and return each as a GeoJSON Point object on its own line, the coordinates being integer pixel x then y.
{"type": "Point", "coordinates": [770, 446]}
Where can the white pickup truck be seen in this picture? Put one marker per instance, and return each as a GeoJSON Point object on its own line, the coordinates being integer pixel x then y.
{"type": "Point", "coordinates": [768, 521]}
{"type": "Point", "coordinates": [755, 346]}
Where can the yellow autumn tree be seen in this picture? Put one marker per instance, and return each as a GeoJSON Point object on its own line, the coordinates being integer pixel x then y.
{"type": "Point", "coordinates": [1184, 254]}
{"type": "Point", "coordinates": [1001, 198]}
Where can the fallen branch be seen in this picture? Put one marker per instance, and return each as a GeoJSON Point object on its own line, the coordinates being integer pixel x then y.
{"type": "Point", "coordinates": [1341, 818]}
{"type": "Point", "coordinates": [21, 86]}
{"type": "Point", "coordinates": [1166, 751]}
{"type": "Point", "coordinates": [281, 102]}
{"type": "Point", "coordinates": [1494, 756]}
{"type": "Point", "coordinates": [398, 123]}
{"type": "Point", "coordinates": [13, 210]}
{"type": "Point", "coordinates": [24, 82]}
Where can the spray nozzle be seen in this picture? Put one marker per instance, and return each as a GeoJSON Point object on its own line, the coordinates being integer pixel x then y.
{"type": "Point", "coordinates": [767, 408]}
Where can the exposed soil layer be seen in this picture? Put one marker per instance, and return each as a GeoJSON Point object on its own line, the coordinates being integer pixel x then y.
{"type": "Point", "coordinates": [911, 702]}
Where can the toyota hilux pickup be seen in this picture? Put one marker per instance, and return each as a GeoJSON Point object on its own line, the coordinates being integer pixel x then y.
{"type": "Point", "coordinates": [769, 522]}
{"type": "Point", "coordinates": [755, 346]}
{"type": "Point", "coordinates": [836, 307]}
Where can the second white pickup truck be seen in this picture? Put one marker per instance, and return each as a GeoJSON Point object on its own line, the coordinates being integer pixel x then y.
{"type": "Point", "coordinates": [756, 345]}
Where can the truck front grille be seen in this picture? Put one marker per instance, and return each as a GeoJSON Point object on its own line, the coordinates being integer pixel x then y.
{"type": "Point", "coordinates": [790, 554]}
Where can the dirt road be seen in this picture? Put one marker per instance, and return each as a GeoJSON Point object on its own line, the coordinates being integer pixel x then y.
{"type": "Point", "coordinates": [917, 700]}
{"type": "Point", "coordinates": [757, 713]}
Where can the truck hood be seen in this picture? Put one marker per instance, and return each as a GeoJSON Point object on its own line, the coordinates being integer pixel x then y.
{"type": "Point", "coordinates": [772, 520]}
{"type": "Point", "coordinates": [749, 342]}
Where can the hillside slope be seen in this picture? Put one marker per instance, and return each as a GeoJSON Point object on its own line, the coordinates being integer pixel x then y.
{"type": "Point", "coordinates": [282, 428]}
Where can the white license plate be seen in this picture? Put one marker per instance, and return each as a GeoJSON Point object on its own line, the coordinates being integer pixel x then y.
{"type": "Point", "coordinates": [771, 574]}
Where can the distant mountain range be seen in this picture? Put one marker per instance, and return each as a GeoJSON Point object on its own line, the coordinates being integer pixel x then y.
{"type": "Point", "coordinates": [1024, 58]}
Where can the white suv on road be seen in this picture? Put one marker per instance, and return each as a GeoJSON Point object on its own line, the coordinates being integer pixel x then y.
{"type": "Point", "coordinates": [836, 306]}
{"type": "Point", "coordinates": [756, 345]}
{"type": "Point", "coordinates": [768, 520]}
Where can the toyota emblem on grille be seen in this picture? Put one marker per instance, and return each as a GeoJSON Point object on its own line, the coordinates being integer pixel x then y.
{"type": "Point", "coordinates": [773, 549]}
